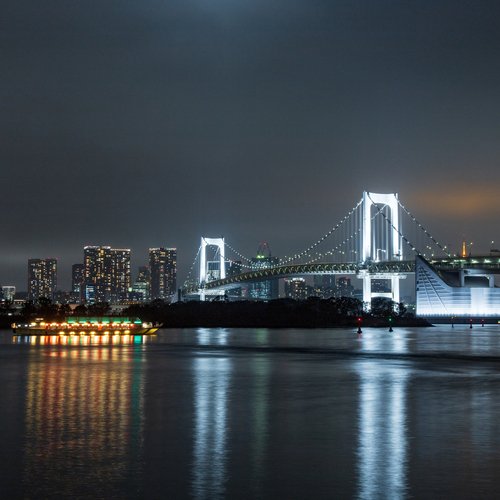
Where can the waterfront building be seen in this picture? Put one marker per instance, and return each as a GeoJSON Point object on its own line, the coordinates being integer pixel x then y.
{"type": "Point", "coordinates": [121, 277]}
{"type": "Point", "coordinates": [42, 278]}
{"type": "Point", "coordinates": [344, 287]}
{"type": "Point", "coordinates": [107, 274]}
{"type": "Point", "coordinates": [324, 286]}
{"type": "Point", "coordinates": [97, 262]}
{"type": "Point", "coordinates": [141, 290]}
{"type": "Point", "coordinates": [8, 292]}
{"type": "Point", "coordinates": [63, 297]}
{"type": "Point", "coordinates": [462, 293]}
{"type": "Point", "coordinates": [296, 288]}
{"type": "Point", "coordinates": [267, 289]}
{"type": "Point", "coordinates": [77, 282]}
{"type": "Point", "coordinates": [163, 269]}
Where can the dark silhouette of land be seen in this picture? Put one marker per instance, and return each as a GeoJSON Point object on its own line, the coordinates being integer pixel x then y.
{"type": "Point", "coordinates": [280, 313]}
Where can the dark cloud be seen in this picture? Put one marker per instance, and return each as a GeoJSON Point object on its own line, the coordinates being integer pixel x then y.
{"type": "Point", "coordinates": [154, 122]}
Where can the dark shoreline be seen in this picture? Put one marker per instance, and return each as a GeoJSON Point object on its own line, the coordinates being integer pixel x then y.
{"type": "Point", "coordinates": [308, 314]}
{"type": "Point", "coordinates": [282, 313]}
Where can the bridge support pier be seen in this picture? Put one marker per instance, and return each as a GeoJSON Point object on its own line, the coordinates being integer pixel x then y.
{"type": "Point", "coordinates": [368, 295]}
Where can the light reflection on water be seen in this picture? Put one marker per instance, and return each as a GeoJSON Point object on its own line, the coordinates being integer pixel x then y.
{"type": "Point", "coordinates": [211, 385]}
{"type": "Point", "coordinates": [382, 444]}
{"type": "Point", "coordinates": [84, 417]}
{"type": "Point", "coordinates": [75, 340]}
{"type": "Point", "coordinates": [253, 414]}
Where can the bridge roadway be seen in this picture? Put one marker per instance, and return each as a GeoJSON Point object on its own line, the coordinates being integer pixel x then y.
{"type": "Point", "coordinates": [376, 269]}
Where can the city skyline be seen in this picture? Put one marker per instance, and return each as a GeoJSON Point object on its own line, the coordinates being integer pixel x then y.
{"type": "Point", "coordinates": [65, 268]}
{"type": "Point", "coordinates": [151, 124]}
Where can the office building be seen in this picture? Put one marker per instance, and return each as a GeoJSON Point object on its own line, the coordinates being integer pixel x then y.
{"type": "Point", "coordinates": [77, 282]}
{"type": "Point", "coordinates": [8, 292]}
{"type": "Point", "coordinates": [42, 279]}
{"type": "Point", "coordinates": [107, 274]}
{"type": "Point", "coordinates": [142, 285]}
{"type": "Point", "coordinates": [296, 288]}
{"type": "Point", "coordinates": [344, 287]}
{"type": "Point", "coordinates": [121, 278]}
{"type": "Point", "coordinates": [324, 286]}
{"type": "Point", "coordinates": [267, 289]}
{"type": "Point", "coordinates": [163, 269]}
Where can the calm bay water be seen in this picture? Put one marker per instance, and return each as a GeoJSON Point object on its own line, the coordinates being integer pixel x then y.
{"type": "Point", "coordinates": [228, 413]}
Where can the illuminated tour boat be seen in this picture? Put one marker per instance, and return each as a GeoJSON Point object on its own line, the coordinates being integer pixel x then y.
{"type": "Point", "coordinates": [86, 326]}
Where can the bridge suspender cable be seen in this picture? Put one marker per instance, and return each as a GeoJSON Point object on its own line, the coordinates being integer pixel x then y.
{"type": "Point", "coordinates": [441, 247]}
{"type": "Point", "coordinates": [405, 239]}
{"type": "Point", "coordinates": [240, 255]}
{"type": "Point", "coordinates": [297, 256]}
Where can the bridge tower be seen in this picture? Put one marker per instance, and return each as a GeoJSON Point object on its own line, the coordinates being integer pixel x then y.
{"type": "Point", "coordinates": [215, 242]}
{"type": "Point", "coordinates": [380, 241]}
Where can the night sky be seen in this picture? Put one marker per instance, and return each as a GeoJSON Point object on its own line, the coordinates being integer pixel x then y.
{"type": "Point", "coordinates": [152, 123]}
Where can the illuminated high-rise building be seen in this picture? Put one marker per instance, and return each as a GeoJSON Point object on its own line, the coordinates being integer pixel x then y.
{"type": "Point", "coordinates": [163, 269]}
{"type": "Point", "coordinates": [120, 280]}
{"type": "Point", "coordinates": [97, 262]}
{"type": "Point", "coordinates": [268, 289]}
{"type": "Point", "coordinates": [77, 281]}
{"type": "Point", "coordinates": [344, 287]}
{"type": "Point", "coordinates": [324, 285]}
{"type": "Point", "coordinates": [296, 288]}
{"type": "Point", "coordinates": [8, 292]}
{"type": "Point", "coordinates": [42, 278]}
{"type": "Point", "coordinates": [142, 285]}
{"type": "Point", "coordinates": [107, 274]}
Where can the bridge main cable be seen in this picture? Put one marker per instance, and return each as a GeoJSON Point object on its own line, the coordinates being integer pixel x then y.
{"type": "Point", "coordinates": [295, 257]}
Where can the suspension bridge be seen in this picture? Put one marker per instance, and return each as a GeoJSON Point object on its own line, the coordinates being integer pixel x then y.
{"type": "Point", "coordinates": [378, 239]}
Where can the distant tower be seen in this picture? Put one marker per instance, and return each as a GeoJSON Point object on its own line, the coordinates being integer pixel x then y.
{"type": "Point", "coordinates": [464, 250]}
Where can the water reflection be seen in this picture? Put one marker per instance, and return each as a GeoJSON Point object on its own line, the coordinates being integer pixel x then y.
{"type": "Point", "coordinates": [382, 446]}
{"type": "Point", "coordinates": [212, 336]}
{"type": "Point", "coordinates": [377, 340]}
{"type": "Point", "coordinates": [260, 413]}
{"type": "Point", "coordinates": [69, 340]}
{"type": "Point", "coordinates": [83, 413]}
{"type": "Point", "coordinates": [211, 385]}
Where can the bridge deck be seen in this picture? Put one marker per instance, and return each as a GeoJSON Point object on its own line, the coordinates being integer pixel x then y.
{"type": "Point", "coordinates": [486, 263]}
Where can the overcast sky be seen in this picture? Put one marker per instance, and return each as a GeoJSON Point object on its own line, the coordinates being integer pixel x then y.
{"type": "Point", "coordinates": [152, 123]}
